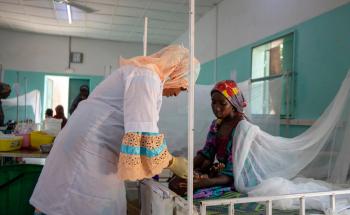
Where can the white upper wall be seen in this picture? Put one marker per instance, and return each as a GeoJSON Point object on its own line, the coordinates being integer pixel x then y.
{"type": "Point", "coordinates": [242, 22]}
{"type": "Point", "coordinates": [46, 53]}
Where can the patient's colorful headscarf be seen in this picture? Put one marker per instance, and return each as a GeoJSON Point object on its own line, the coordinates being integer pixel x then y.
{"type": "Point", "coordinates": [233, 94]}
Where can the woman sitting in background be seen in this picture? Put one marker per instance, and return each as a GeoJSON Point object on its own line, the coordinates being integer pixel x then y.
{"type": "Point", "coordinates": [48, 113]}
{"type": "Point", "coordinates": [60, 115]}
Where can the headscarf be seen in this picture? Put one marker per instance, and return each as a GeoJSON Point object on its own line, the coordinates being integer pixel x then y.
{"type": "Point", "coordinates": [170, 63]}
{"type": "Point", "coordinates": [232, 93]}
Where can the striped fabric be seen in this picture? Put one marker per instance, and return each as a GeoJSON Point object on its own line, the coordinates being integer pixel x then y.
{"type": "Point", "coordinates": [142, 155]}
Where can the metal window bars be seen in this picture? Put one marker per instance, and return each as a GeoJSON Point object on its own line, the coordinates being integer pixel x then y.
{"type": "Point", "coordinates": [268, 201]}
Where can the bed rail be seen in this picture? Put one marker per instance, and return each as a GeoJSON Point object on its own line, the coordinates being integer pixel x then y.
{"type": "Point", "coordinates": [268, 201]}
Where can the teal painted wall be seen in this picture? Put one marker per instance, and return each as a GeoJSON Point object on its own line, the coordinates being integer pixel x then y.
{"type": "Point", "coordinates": [322, 50]}
{"type": "Point", "coordinates": [35, 80]}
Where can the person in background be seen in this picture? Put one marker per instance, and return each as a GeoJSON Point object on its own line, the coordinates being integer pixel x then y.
{"type": "Point", "coordinates": [48, 113]}
{"type": "Point", "coordinates": [60, 115]}
{"type": "Point", "coordinates": [113, 136]}
{"type": "Point", "coordinates": [83, 94]}
{"type": "Point", "coordinates": [5, 91]}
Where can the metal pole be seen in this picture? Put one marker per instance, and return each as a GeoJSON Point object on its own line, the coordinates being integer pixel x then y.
{"type": "Point", "coordinates": [216, 42]}
{"type": "Point", "coordinates": [203, 209]}
{"type": "Point", "coordinates": [191, 110]}
{"type": "Point", "coordinates": [17, 94]}
{"type": "Point", "coordinates": [69, 50]}
{"type": "Point", "coordinates": [302, 206]}
{"type": "Point", "coordinates": [333, 207]}
{"type": "Point", "coordinates": [1, 73]}
{"type": "Point", "coordinates": [269, 207]}
{"type": "Point", "coordinates": [231, 209]}
{"type": "Point", "coordinates": [145, 36]}
{"type": "Point", "coordinates": [25, 97]}
{"type": "Point", "coordinates": [287, 104]}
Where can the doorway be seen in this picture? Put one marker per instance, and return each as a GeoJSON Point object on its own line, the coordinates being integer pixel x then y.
{"type": "Point", "coordinates": [56, 92]}
{"type": "Point", "coordinates": [61, 90]}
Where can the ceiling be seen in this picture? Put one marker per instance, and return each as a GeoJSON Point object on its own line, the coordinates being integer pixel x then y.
{"type": "Point", "coordinates": [120, 20]}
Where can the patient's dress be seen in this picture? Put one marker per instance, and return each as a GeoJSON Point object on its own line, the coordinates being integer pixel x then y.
{"type": "Point", "coordinates": [219, 148]}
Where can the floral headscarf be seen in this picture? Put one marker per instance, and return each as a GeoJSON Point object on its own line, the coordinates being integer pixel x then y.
{"type": "Point", "coordinates": [170, 63]}
{"type": "Point", "coordinates": [233, 94]}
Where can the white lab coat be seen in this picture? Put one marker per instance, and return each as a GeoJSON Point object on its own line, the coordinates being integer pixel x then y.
{"type": "Point", "coordinates": [80, 174]}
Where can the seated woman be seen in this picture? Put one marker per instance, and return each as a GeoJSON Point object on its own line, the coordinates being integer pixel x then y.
{"type": "Point", "coordinates": [48, 113]}
{"type": "Point", "coordinates": [60, 115]}
{"type": "Point", "coordinates": [227, 105]}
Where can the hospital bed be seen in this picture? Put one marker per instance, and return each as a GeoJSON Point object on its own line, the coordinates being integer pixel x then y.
{"type": "Point", "coordinates": [157, 198]}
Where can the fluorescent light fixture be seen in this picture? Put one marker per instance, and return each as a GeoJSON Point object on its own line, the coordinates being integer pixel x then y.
{"type": "Point", "coordinates": [69, 14]}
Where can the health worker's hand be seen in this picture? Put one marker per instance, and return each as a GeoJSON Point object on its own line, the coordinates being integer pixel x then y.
{"type": "Point", "coordinates": [178, 166]}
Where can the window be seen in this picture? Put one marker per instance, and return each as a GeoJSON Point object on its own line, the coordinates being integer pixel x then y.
{"type": "Point", "coordinates": [270, 61]}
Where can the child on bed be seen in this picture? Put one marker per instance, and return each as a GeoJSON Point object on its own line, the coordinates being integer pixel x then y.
{"type": "Point", "coordinates": [227, 105]}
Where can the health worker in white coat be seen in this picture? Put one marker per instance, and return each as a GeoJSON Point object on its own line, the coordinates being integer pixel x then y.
{"type": "Point", "coordinates": [113, 136]}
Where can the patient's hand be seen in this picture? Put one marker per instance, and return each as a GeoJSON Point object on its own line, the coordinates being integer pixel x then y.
{"type": "Point", "coordinates": [216, 169]}
{"type": "Point", "coordinates": [198, 176]}
{"type": "Point", "coordinates": [200, 180]}
{"type": "Point", "coordinates": [197, 183]}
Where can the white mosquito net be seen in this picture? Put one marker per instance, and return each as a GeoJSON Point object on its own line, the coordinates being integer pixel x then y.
{"type": "Point", "coordinates": [316, 160]}
{"type": "Point", "coordinates": [31, 99]}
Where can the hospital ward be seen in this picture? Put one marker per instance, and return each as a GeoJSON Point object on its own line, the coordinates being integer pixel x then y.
{"type": "Point", "coordinates": [174, 107]}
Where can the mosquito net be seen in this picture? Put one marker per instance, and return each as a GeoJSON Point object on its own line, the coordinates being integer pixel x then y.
{"type": "Point", "coordinates": [316, 160]}
{"type": "Point", "coordinates": [266, 164]}
{"type": "Point", "coordinates": [31, 99]}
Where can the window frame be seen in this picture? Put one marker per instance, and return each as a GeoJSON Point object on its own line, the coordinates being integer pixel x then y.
{"type": "Point", "coordinates": [289, 76]}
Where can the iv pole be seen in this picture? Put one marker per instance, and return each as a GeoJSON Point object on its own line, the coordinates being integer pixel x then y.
{"type": "Point", "coordinates": [145, 37]}
{"type": "Point", "coordinates": [17, 94]}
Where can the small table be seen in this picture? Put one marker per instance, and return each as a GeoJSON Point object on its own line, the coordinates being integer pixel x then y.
{"type": "Point", "coordinates": [22, 153]}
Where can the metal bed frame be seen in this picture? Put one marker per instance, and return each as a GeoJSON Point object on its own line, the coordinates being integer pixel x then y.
{"type": "Point", "coordinates": [180, 206]}
{"type": "Point", "coordinates": [268, 200]}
